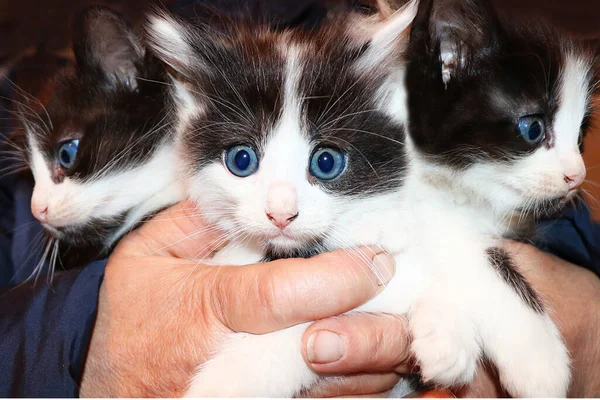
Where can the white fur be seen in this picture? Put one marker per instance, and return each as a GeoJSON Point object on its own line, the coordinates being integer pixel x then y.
{"type": "Point", "coordinates": [438, 228]}
{"type": "Point", "coordinates": [385, 40]}
{"type": "Point", "coordinates": [169, 38]}
{"type": "Point", "coordinates": [148, 187]}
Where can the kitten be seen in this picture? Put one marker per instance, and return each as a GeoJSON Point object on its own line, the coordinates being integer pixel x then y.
{"type": "Point", "coordinates": [298, 144]}
{"type": "Point", "coordinates": [102, 154]}
{"type": "Point", "coordinates": [286, 148]}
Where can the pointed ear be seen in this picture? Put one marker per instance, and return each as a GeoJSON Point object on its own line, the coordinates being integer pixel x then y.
{"type": "Point", "coordinates": [385, 36]}
{"type": "Point", "coordinates": [174, 41]}
{"type": "Point", "coordinates": [104, 43]}
{"type": "Point", "coordinates": [457, 29]}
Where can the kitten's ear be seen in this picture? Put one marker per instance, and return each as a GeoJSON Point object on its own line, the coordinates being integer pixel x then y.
{"type": "Point", "coordinates": [105, 44]}
{"type": "Point", "coordinates": [457, 29]}
{"type": "Point", "coordinates": [385, 36]}
{"type": "Point", "coordinates": [172, 40]}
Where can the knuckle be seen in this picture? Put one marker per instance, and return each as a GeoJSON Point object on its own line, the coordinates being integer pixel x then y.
{"type": "Point", "coordinates": [272, 295]}
{"type": "Point", "coordinates": [389, 343]}
{"type": "Point", "coordinates": [215, 300]}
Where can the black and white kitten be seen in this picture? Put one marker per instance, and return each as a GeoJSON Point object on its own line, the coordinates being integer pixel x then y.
{"type": "Point", "coordinates": [297, 144]}
{"type": "Point", "coordinates": [102, 154]}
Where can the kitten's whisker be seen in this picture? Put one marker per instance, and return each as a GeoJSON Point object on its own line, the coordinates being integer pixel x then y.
{"type": "Point", "coordinates": [31, 97]}
{"type": "Point", "coordinates": [329, 123]}
{"type": "Point", "coordinates": [24, 109]}
{"type": "Point", "coordinates": [40, 265]}
{"type": "Point", "coordinates": [329, 106]}
{"type": "Point", "coordinates": [368, 133]}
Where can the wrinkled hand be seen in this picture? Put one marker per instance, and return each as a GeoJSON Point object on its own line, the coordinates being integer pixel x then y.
{"type": "Point", "coordinates": [363, 353]}
{"type": "Point", "coordinates": [573, 296]}
{"type": "Point", "coordinates": [378, 344]}
{"type": "Point", "coordinates": [162, 314]}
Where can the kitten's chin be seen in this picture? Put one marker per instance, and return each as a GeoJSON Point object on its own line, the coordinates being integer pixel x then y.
{"type": "Point", "coordinates": [285, 243]}
{"type": "Point", "coordinates": [54, 232]}
{"type": "Point", "coordinates": [287, 247]}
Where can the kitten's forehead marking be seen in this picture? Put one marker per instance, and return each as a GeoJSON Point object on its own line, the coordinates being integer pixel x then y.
{"type": "Point", "coordinates": [287, 148]}
{"type": "Point", "coordinates": [574, 96]}
{"type": "Point", "coordinates": [293, 74]}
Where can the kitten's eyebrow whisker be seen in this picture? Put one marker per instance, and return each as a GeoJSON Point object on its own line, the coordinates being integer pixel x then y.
{"type": "Point", "coordinates": [329, 123]}
{"type": "Point", "coordinates": [31, 97]}
{"type": "Point", "coordinates": [368, 133]}
{"type": "Point", "coordinates": [21, 107]}
{"type": "Point", "coordinates": [330, 107]}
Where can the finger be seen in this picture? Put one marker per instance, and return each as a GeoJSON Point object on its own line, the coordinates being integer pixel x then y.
{"type": "Point", "coordinates": [358, 343]}
{"type": "Point", "coordinates": [179, 231]}
{"type": "Point", "coordinates": [356, 385]}
{"type": "Point", "coordinates": [267, 297]}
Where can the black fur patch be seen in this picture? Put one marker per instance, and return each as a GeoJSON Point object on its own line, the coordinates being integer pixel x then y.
{"type": "Point", "coordinates": [505, 267]}
{"type": "Point", "coordinates": [341, 111]}
{"type": "Point", "coordinates": [119, 123]}
{"type": "Point", "coordinates": [310, 250]}
{"type": "Point", "coordinates": [240, 77]}
{"type": "Point", "coordinates": [509, 71]}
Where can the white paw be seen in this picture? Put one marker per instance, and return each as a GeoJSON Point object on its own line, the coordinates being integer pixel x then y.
{"type": "Point", "coordinates": [538, 365]}
{"type": "Point", "coordinates": [445, 346]}
{"type": "Point", "coordinates": [269, 365]}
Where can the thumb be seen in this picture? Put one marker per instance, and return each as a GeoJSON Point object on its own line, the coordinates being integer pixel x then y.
{"type": "Point", "coordinates": [179, 231]}
{"type": "Point", "coordinates": [263, 298]}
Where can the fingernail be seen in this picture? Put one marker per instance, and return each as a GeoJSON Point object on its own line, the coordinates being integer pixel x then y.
{"type": "Point", "coordinates": [325, 347]}
{"type": "Point", "coordinates": [383, 267]}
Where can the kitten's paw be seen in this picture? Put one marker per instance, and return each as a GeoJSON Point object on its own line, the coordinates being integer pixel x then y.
{"type": "Point", "coordinates": [536, 363]}
{"type": "Point", "coordinates": [445, 346]}
{"type": "Point", "coordinates": [269, 365]}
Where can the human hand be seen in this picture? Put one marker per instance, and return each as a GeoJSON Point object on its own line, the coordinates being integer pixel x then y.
{"type": "Point", "coordinates": [162, 314]}
{"type": "Point", "coordinates": [379, 344]}
{"type": "Point", "coordinates": [572, 294]}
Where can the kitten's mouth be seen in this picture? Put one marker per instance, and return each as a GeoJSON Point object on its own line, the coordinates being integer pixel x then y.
{"type": "Point", "coordinates": [288, 245]}
{"type": "Point", "coordinates": [57, 233]}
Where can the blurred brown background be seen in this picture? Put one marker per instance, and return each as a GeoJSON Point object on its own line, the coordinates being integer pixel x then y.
{"type": "Point", "coordinates": [35, 36]}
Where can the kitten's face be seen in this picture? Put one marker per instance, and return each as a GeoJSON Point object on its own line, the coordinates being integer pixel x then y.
{"type": "Point", "coordinates": [504, 108]}
{"type": "Point", "coordinates": [102, 131]}
{"type": "Point", "coordinates": [287, 146]}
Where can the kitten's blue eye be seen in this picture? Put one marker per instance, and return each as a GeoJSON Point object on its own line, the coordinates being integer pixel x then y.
{"type": "Point", "coordinates": [67, 152]}
{"type": "Point", "coordinates": [241, 161]}
{"type": "Point", "coordinates": [532, 129]}
{"type": "Point", "coordinates": [327, 164]}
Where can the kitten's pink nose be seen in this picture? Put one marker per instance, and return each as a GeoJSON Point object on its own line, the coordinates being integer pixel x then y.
{"type": "Point", "coordinates": [281, 220]}
{"type": "Point", "coordinates": [575, 181]}
{"type": "Point", "coordinates": [282, 205]}
{"type": "Point", "coordinates": [39, 212]}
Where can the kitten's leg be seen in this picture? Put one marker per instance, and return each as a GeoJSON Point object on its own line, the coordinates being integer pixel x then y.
{"type": "Point", "coordinates": [269, 365]}
{"type": "Point", "coordinates": [520, 338]}
{"type": "Point", "coordinates": [445, 341]}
